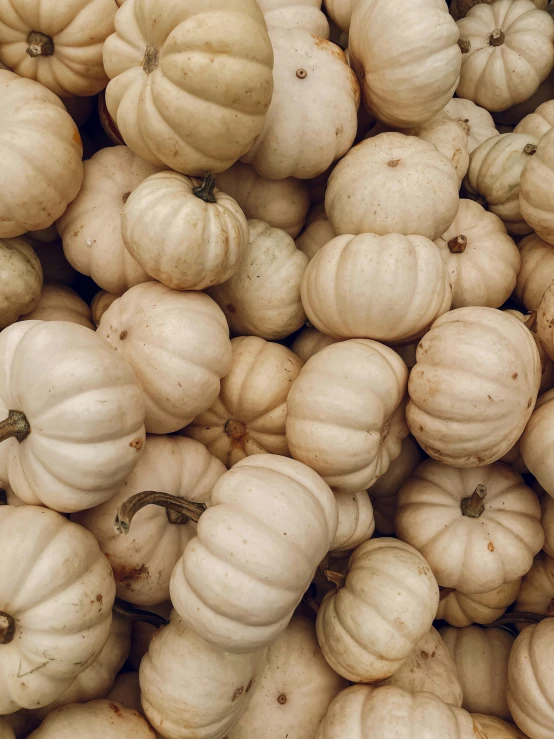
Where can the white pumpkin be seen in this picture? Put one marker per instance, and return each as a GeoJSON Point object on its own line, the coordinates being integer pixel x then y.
{"type": "Point", "coordinates": [189, 94]}
{"type": "Point", "coordinates": [537, 439]}
{"type": "Point", "coordinates": [60, 303]}
{"type": "Point", "coordinates": [310, 341]}
{"type": "Point", "coordinates": [100, 304]}
{"type": "Point", "coordinates": [536, 273]}
{"type": "Point", "coordinates": [473, 387]}
{"type": "Point", "coordinates": [482, 260]}
{"type": "Point", "coordinates": [547, 377]}
{"type": "Point", "coordinates": [495, 728]}
{"type": "Point", "coordinates": [248, 416]}
{"type": "Point", "coordinates": [21, 283]}
{"type": "Point", "coordinates": [317, 233]}
{"type": "Point", "coordinates": [388, 288]}
{"type": "Point", "coordinates": [177, 343]}
{"type": "Point", "coordinates": [512, 116]}
{"type": "Point", "coordinates": [449, 136]}
{"type": "Point", "coordinates": [479, 122]}
{"type": "Point", "coordinates": [356, 522]}
{"type": "Point", "coordinates": [539, 122]}
{"type": "Point", "coordinates": [101, 718]}
{"type": "Point", "coordinates": [547, 521]}
{"type": "Point", "coordinates": [477, 527]}
{"type": "Point", "coordinates": [463, 609]}
{"type": "Point", "coordinates": [507, 52]}
{"type": "Point", "coordinates": [537, 587]}
{"type": "Point", "coordinates": [340, 12]}
{"type": "Point", "coordinates": [315, 101]}
{"type": "Point", "coordinates": [537, 179]}
{"type": "Point", "coordinates": [393, 183]}
{"type": "Point", "coordinates": [54, 616]}
{"type": "Point", "coordinates": [346, 412]}
{"type": "Point", "coordinates": [296, 13]}
{"type": "Point", "coordinates": [262, 298]}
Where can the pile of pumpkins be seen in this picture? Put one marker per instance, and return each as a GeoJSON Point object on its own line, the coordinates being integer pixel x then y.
{"type": "Point", "coordinates": [276, 369]}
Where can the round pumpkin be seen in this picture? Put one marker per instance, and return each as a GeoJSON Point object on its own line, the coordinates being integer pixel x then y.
{"type": "Point", "coordinates": [449, 136]}
{"type": "Point", "coordinates": [463, 609]}
{"type": "Point", "coordinates": [537, 587]}
{"type": "Point", "coordinates": [539, 122]}
{"type": "Point", "coordinates": [473, 387]}
{"type": "Point", "coordinates": [101, 718]}
{"type": "Point", "coordinates": [296, 13]}
{"type": "Point", "coordinates": [495, 728]}
{"type": "Point", "coordinates": [356, 522]}
{"type": "Point", "coordinates": [547, 374]}
{"type": "Point", "coordinates": [21, 284]}
{"type": "Point", "coordinates": [478, 121]}
{"type": "Point", "coordinates": [310, 341]}
{"type": "Point", "coordinates": [60, 303]}
{"type": "Point", "coordinates": [537, 440]}
{"type": "Point", "coordinates": [317, 233]}
{"type": "Point", "coordinates": [536, 181]}
{"type": "Point", "coordinates": [189, 93]}
{"type": "Point", "coordinates": [536, 273]}
{"type": "Point", "coordinates": [100, 304]}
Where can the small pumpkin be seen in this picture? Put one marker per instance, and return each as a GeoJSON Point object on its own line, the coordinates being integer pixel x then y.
{"type": "Point", "coordinates": [91, 720]}
{"type": "Point", "coordinates": [536, 594]}
{"type": "Point", "coordinates": [539, 122]}
{"type": "Point", "coordinates": [296, 13]}
{"type": "Point", "coordinates": [356, 522]}
{"type": "Point", "coordinates": [496, 728]}
{"type": "Point", "coordinates": [547, 521]}
{"type": "Point", "coordinates": [463, 609]}
{"type": "Point", "coordinates": [100, 304]}
{"type": "Point", "coordinates": [479, 122]}
{"type": "Point", "coordinates": [317, 233]}
{"type": "Point", "coordinates": [547, 378]}
{"type": "Point", "coordinates": [537, 439]}
{"type": "Point", "coordinates": [535, 187]}
{"type": "Point", "coordinates": [310, 341]}
{"type": "Point", "coordinates": [536, 273]}
{"type": "Point", "coordinates": [21, 284]}
{"type": "Point", "coordinates": [60, 303]}
{"type": "Point", "coordinates": [449, 136]}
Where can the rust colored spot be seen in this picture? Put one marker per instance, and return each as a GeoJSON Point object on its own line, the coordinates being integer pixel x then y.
{"type": "Point", "coordinates": [424, 655]}
{"type": "Point", "coordinates": [123, 335]}
{"type": "Point", "coordinates": [137, 443]}
{"type": "Point", "coordinates": [393, 163]}
{"type": "Point", "coordinates": [515, 376]}
{"type": "Point", "coordinates": [231, 308]}
{"type": "Point", "coordinates": [115, 708]}
{"type": "Point", "coordinates": [99, 598]}
{"type": "Point", "coordinates": [282, 699]}
{"type": "Point", "coordinates": [249, 686]}
{"type": "Point", "coordinates": [490, 546]}
{"type": "Point", "coordinates": [235, 429]}
{"type": "Point", "coordinates": [126, 197]}
{"type": "Point", "coordinates": [238, 692]}
{"type": "Point", "coordinates": [77, 137]}
{"type": "Point", "coordinates": [129, 575]}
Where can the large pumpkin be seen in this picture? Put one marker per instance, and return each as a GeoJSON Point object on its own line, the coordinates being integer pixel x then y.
{"type": "Point", "coordinates": [185, 91]}
{"type": "Point", "coordinates": [60, 303]}
{"type": "Point", "coordinates": [450, 136]}
{"type": "Point", "coordinates": [536, 273]}
{"type": "Point", "coordinates": [479, 122]}
{"type": "Point", "coordinates": [296, 13]}
{"type": "Point", "coordinates": [101, 718]}
{"type": "Point", "coordinates": [463, 609]}
{"type": "Point", "coordinates": [21, 283]}
{"type": "Point", "coordinates": [537, 178]}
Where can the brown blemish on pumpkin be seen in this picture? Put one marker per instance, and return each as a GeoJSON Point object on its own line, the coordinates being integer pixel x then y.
{"type": "Point", "coordinates": [490, 546]}
{"type": "Point", "coordinates": [515, 376]}
{"type": "Point", "coordinates": [393, 163]}
{"type": "Point", "coordinates": [126, 196]}
{"type": "Point", "coordinates": [99, 598]}
{"type": "Point", "coordinates": [137, 443]}
{"type": "Point", "coordinates": [238, 692]}
{"type": "Point", "coordinates": [123, 335]}
{"type": "Point", "coordinates": [129, 575]}
{"type": "Point", "coordinates": [248, 686]}
{"type": "Point", "coordinates": [115, 708]}
{"type": "Point", "coordinates": [282, 699]}
{"type": "Point", "coordinates": [424, 655]}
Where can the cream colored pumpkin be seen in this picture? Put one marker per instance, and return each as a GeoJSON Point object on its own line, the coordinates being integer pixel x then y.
{"type": "Point", "coordinates": [55, 267]}
{"type": "Point", "coordinates": [409, 89]}
{"type": "Point", "coordinates": [143, 561]}
{"type": "Point", "coordinates": [537, 180]}
{"type": "Point", "coordinates": [6, 731]}
{"type": "Point", "coordinates": [310, 341]}
{"type": "Point", "coordinates": [547, 521]}
{"type": "Point", "coordinates": [101, 718]}
{"type": "Point", "coordinates": [459, 8]}
{"type": "Point", "coordinates": [76, 432]}
{"type": "Point", "coordinates": [531, 680]}
{"type": "Point", "coordinates": [177, 343]}
{"type": "Point", "coordinates": [279, 203]}
{"type": "Point", "coordinates": [294, 690]}
{"type": "Point", "coordinates": [477, 527]}
{"type": "Point", "coordinates": [346, 412]}
{"type": "Point", "coordinates": [393, 183]}
{"type": "Point", "coordinates": [60, 303]}
{"type": "Point", "coordinates": [537, 439]}
{"type": "Point", "coordinates": [463, 609]}
{"type": "Point", "coordinates": [478, 121]}
{"type": "Point", "coordinates": [547, 377]}
{"type": "Point", "coordinates": [537, 587]}
{"type": "Point", "coordinates": [449, 136]}
{"type": "Point", "coordinates": [539, 122]}
{"type": "Point", "coordinates": [54, 617]}
{"type": "Point", "coordinates": [482, 260]}
{"type": "Point", "coordinates": [40, 150]}
{"type": "Point", "coordinates": [458, 413]}
{"type": "Point", "coordinates": [481, 658]}
{"type": "Point", "coordinates": [185, 92]}
{"type": "Point", "coordinates": [249, 415]}
{"type": "Point", "coordinates": [495, 170]}
{"type": "Point", "coordinates": [340, 12]}
{"type": "Point", "coordinates": [495, 728]}
{"type": "Point", "coordinates": [313, 118]}
{"type": "Point", "coordinates": [21, 281]}
{"type": "Point", "coordinates": [262, 298]}
{"type": "Point", "coordinates": [368, 627]}
{"type": "Point", "coordinates": [91, 227]}
{"type": "Point", "coordinates": [388, 288]}
{"type": "Point", "coordinates": [536, 273]}
{"type": "Point", "coordinates": [296, 13]}
{"type": "Point", "coordinates": [317, 233]}
{"type": "Point", "coordinates": [512, 116]}
{"type": "Point", "coordinates": [506, 53]}
{"type": "Point", "coordinates": [100, 304]}
{"type": "Point", "coordinates": [356, 522]}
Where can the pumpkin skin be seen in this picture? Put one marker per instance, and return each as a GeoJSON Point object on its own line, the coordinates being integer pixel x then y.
{"type": "Point", "coordinates": [471, 345]}
{"type": "Point", "coordinates": [316, 98]}
{"type": "Point", "coordinates": [539, 122]}
{"type": "Point", "coordinates": [100, 304]}
{"type": "Point", "coordinates": [537, 439]}
{"type": "Point", "coordinates": [479, 122]}
{"type": "Point", "coordinates": [248, 417]}
{"type": "Point", "coordinates": [294, 690]}
{"type": "Point", "coordinates": [48, 176]}
{"type": "Point", "coordinates": [536, 273]}
{"type": "Point", "coordinates": [494, 174]}
{"type": "Point", "coordinates": [61, 50]}
{"type": "Point", "coordinates": [262, 298]}
{"type": "Point", "coordinates": [531, 680]}
{"type": "Point", "coordinates": [507, 52]}
{"type": "Point", "coordinates": [463, 609]}
{"type": "Point", "coordinates": [388, 288]}
{"type": "Point", "coordinates": [356, 522]}
{"type": "Point", "coordinates": [486, 548]}
{"type": "Point", "coordinates": [495, 728]}
{"type": "Point", "coordinates": [86, 415]}
{"type": "Point", "coordinates": [60, 303]}
{"type": "Point", "coordinates": [91, 720]}
{"type": "Point", "coordinates": [142, 562]}
{"type": "Point", "coordinates": [449, 136]}
{"type": "Point", "coordinates": [6, 731]}
{"type": "Point", "coordinates": [420, 184]}
{"type": "Point", "coordinates": [547, 375]}
{"type": "Point", "coordinates": [293, 13]}
{"type": "Point", "coordinates": [482, 260]}
{"type": "Point", "coordinates": [346, 412]}
{"type": "Point", "coordinates": [63, 610]}
{"type": "Point", "coordinates": [317, 233]}
{"type": "Point", "coordinates": [340, 12]}
{"type": "Point", "coordinates": [382, 577]}
{"type": "Point", "coordinates": [91, 227]}
{"type": "Point", "coordinates": [177, 343]}
{"type": "Point", "coordinates": [547, 521]}
{"type": "Point", "coordinates": [310, 341]}
{"type": "Point", "coordinates": [537, 587]}
{"type": "Point", "coordinates": [481, 658]}
{"type": "Point", "coordinates": [21, 280]}
{"type": "Point", "coordinates": [535, 187]}
{"type": "Point", "coordinates": [262, 498]}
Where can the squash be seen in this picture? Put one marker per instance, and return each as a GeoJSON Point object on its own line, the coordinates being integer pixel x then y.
{"type": "Point", "coordinates": [495, 728]}
{"type": "Point", "coordinates": [536, 441]}
{"type": "Point", "coordinates": [71, 437]}
{"type": "Point", "coordinates": [481, 657]}
{"type": "Point", "coordinates": [6, 731]}
{"type": "Point", "coordinates": [249, 415]}
{"type": "Point", "coordinates": [21, 280]}
{"type": "Point", "coordinates": [405, 90]}
{"type": "Point", "coordinates": [419, 183]}
{"type": "Point", "coordinates": [388, 288]}
{"type": "Point", "coordinates": [482, 260]}
{"type": "Point", "coordinates": [368, 626]}
{"type": "Point", "coordinates": [547, 374]}
{"type": "Point", "coordinates": [60, 303]}
{"type": "Point", "coordinates": [316, 99]}
{"type": "Point", "coordinates": [530, 680]}
{"type": "Point", "coordinates": [537, 587]}
{"type": "Point", "coordinates": [217, 76]}
{"type": "Point", "coordinates": [55, 618]}
{"type": "Point", "coordinates": [100, 304]}
{"type": "Point", "coordinates": [495, 170]}
{"type": "Point", "coordinates": [346, 412]}
{"type": "Point", "coordinates": [279, 203]}
{"type": "Point", "coordinates": [177, 343]}
{"type": "Point", "coordinates": [340, 12]}
{"type": "Point", "coordinates": [539, 122]}
{"type": "Point", "coordinates": [460, 8]}
{"type": "Point", "coordinates": [55, 267]}
{"type": "Point", "coordinates": [40, 150]}
{"type": "Point", "coordinates": [293, 13]}
{"type": "Point", "coordinates": [317, 233]}
{"type": "Point", "coordinates": [262, 298]}
{"type": "Point", "coordinates": [536, 273]}
{"type": "Point", "coordinates": [309, 341]}
{"type": "Point", "coordinates": [294, 691]}
{"type": "Point", "coordinates": [547, 521]}
{"type": "Point", "coordinates": [449, 136]}
{"type": "Point", "coordinates": [506, 53]}
{"type": "Point", "coordinates": [91, 227]}
{"type": "Point", "coordinates": [463, 609]}
{"type": "Point", "coordinates": [356, 522]}
{"type": "Point", "coordinates": [473, 387]}
{"type": "Point", "coordinates": [477, 527]}
{"type": "Point", "coordinates": [479, 122]}
{"type": "Point", "coordinates": [535, 186]}
{"type": "Point", "coordinates": [101, 718]}
{"type": "Point", "coordinates": [142, 564]}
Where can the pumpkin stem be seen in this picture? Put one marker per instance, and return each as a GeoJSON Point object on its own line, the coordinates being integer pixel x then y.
{"type": "Point", "coordinates": [39, 44]}
{"type": "Point", "coordinates": [517, 617]}
{"type": "Point", "coordinates": [458, 244]}
{"type": "Point", "coordinates": [235, 429]}
{"type": "Point", "coordinates": [530, 149]}
{"type": "Point", "coordinates": [497, 37]}
{"type": "Point", "coordinates": [186, 510]}
{"type": "Point", "coordinates": [473, 507]}
{"type": "Point", "coordinates": [531, 320]}
{"type": "Point", "coordinates": [7, 627]}
{"type": "Point", "coordinates": [205, 191]}
{"type": "Point", "coordinates": [445, 592]}
{"type": "Point", "coordinates": [337, 578]}
{"type": "Point", "coordinates": [464, 44]}
{"type": "Point", "coordinates": [15, 425]}
{"type": "Point", "coordinates": [127, 610]}
{"type": "Point", "coordinates": [310, 601]}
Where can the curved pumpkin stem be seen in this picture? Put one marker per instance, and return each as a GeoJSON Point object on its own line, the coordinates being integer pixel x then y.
{"type": "Point", "coordinates": [15, 425]}
{"type": "Point", "coordinates": [473, 507]}
{"type": "Point", "coordinates": [186, 510]}
{"type": "Point", "coordinates": [127, 610]}
{"type": "Point", "coordinates": [205, 191]}
{"type": "Point", "coordinates": [337, 578]}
